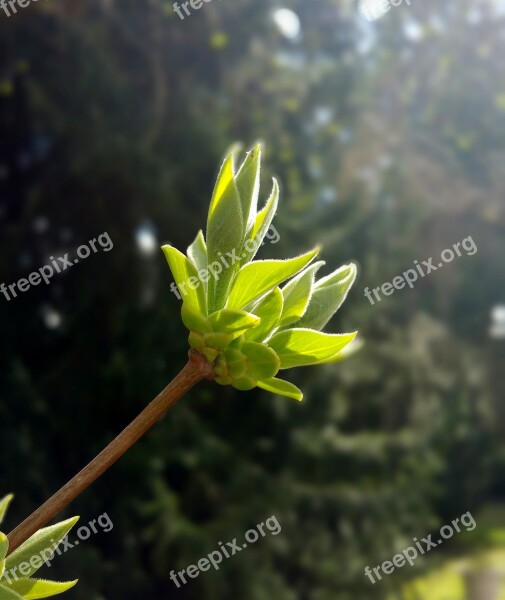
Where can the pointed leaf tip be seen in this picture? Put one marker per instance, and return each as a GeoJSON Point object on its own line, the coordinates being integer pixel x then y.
{"type": "Point", "coordinates": [281, 387]}
{"type": "Point", "coordinates": [329, 293]}
{"type": "Point", "coordinates": [303, 347]}
{"type": "Point", "coordinates": [226, 225]}
{"type": "Point", "coordinates": [262, 223]}
{"type": "Point", "coordinates": [197, 252]}
{"type": "Point", "coordinates": [43, 541]}
{"type": "Point", "coordinates": [34, 589]}
{"type": "Point", "coordinates": [190, 287]}
{"type": "Point", "coordinates": [4, 505]}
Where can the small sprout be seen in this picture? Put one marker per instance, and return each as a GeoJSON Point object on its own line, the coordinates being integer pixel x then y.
{"type": "Point", "coordinates": [251, 319]}
{"type": "Point", "coordinates": [16, 570]}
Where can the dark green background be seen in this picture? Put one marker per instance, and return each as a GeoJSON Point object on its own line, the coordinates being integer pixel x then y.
{"type": "Point", "coordinates": [388, 139]}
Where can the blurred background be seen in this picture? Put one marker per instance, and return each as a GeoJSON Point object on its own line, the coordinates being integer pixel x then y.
{"type": "Point", "coordinates": [388, 137]}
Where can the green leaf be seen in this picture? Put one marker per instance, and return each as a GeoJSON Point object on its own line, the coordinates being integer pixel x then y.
{"type": "Point", "coordinates": [269, 310]}
{"type": "Point", "coordinates": [225, 233]}
{"type": "Point", "coordinates": [197, 252]}
{"type": "Point", "coordinates": [236, 362]}
{"type": "Point", "coordinates": [40, 546]}
{"type": "Point", "coordinates": [248, 185]}
{"type": "Point", "coordinates": [186, 277]}
{"type": "Point", "coordinates": [297, 294]}
{"type": "Point", "coordinates": [262, 361]}
{"type": "Point", "coordinates": [262, 222]}
{"type": "Point", "coordinates": [4, 547]}
{"type": "Point", "coordinates": [4, 542]}
{"type": "Point", "coordinates": [4, 505]}
{"type": "Point", "coordinates": [7, 594]}
{"type": "Point", "coordinates": [245, 383]}
{"type": "Point", "coordinates": [233, 321]}
{"type": "Point", "coordinates": [302, 347]}
{"type": "Point", "coordinates": [32, 589]}
{"type": "Point", "coordinates": [259, 277]}
{"type": "Point", "coordinates": [193, 319]}
{"type": "Point", "coordinates": [350, 350]}
{"type": "Point", "coordinates": [217, 340]}
{"type": "Point", "coordinates": [328, 295]}
{"type": "Point", "coordinates": [281, 387]}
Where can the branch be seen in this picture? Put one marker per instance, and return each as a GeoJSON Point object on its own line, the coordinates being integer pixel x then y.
{"type": "Point", "coordinates": [195, 370]}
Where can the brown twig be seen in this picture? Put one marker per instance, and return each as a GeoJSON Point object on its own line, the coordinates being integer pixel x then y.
{"type": "Point", "coordinates": [195, 370]}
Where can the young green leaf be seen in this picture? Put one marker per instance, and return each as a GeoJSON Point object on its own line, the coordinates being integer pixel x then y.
{"type": "Point", "coordinates": [303, 347]}
{"type": "Point", "coordinates": [262, 361]}
{"type": "Point", "coordinates": [248, 185]}
{"type": "Point", "coordinates": [269, 310]}
{"type": "Point", "coordinates": [197, 252]}
{"type": "Point", "coordinates": [186, 278]}
{"type": "Point", "coordinates": [245, 383]}
{"type": "Point", "coordinates": [281, 387]}
{"type": "Point", "coordinates": [41, 544]}
{"type": "Point", "coordinates": [262, 222]}
{"type": "Point", "coordinates": [7, 594]}
{"type": "Point", "coordinates": [225, 232]}
{"type": "Point", "coordinates": [194, 320]}
{"type": "Point", "coordinates": [241, 321]}
{"type": "Point", "coordinates": [4, 505]}
{"type": "Point", "coordinates": [257, 278]}
{"type": "Point", "coordinates": [233, 321]}
{"type": "Point", "coordinates": [328, 295]}
{"type": "Point", "coordinates": [350, 350]}
{"type": "Point", "coordinates": [218, 340]}
{"type": "Point", "coordinates": [33, 589]}
{"type": "Point", "coordinates": [4, 546]}
{"type": "Point", "coordinates": [236, 362]}
{"type": "Point", "coordinates": [297, 293]}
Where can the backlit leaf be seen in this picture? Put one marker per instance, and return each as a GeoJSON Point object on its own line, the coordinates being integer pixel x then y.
{"type": "Point", "coordinates": [194, 320]}
{"type": "Point", "coordinates": [225, 233]}
{"type": "Point", "coordinates": [233, 320]}
{"type": "Point", "coordinates": [186, 278]}
{"type": "Point", "coordinates": [302, 347]}
{"type": "Point", "coordinates": [261, 225]}
{"type": "Point", "coordinates": [40, 545]}
{"type": "Point", "coordinates": [4, 546]}
{"type": "Point", "coordinates": [257, 278]}
{"type": "Point", "coordinates": [32, 589]}
{"type": "Point", "coordinates": [328, 295]}
{"type": "Point", "coordinates": [7, 594]}
{"type": "Point", "coordinates": [248, 185]}
{"type": "Point", "coordinates": [4, 505]}
{"type": "Point", "coordinates": [281, 387]}
{"type": "Point", "coordinates": [197, 252]}
{"type": "Point", "coordinates": [269, 310]}
{"type": "Point", "coordinates": [350, 350]}
{"type": "Point", "coordinates": [262, 361]}
{"type": "Point", "coordinates": [297, 294]}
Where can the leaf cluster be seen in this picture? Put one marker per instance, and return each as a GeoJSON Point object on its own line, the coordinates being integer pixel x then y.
{"type": "Point", "coordinates": [16, 570]}
{"type": "Point", "coordinates": [252, 318]}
